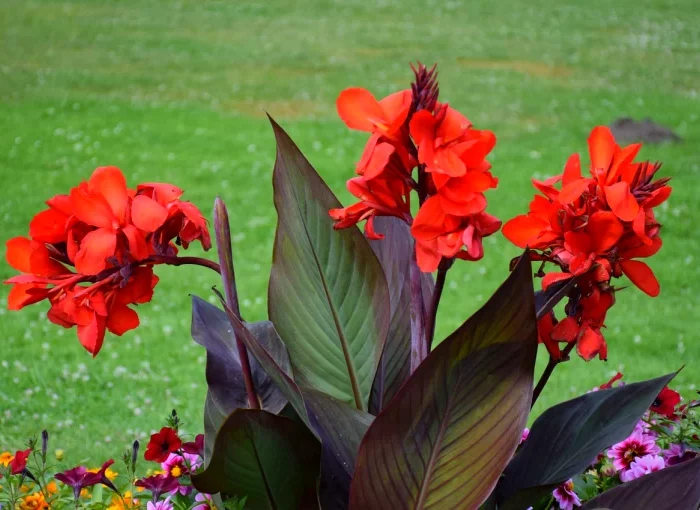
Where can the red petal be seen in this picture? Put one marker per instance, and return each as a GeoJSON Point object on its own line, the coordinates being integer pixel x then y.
{"type": "Point", "coordinates": [48, 226]}
{"type": "Point", "coordinates": [573, 191]}
{"type": "Point", "coordinates": [422, 128]}
{"type": "Point", "coordinates": [359, 109]}
{"type": "Point", "coordinates": [430, 220]}
{"type": "Point", "coordinates": [601, 146]}
{"type": "Point", "coordinates": [427, 256]}
{"type": "Point", "coordinates": [638, 249]}
{"type": "Point", "coordinates": [90, 208]}
{"type": "Point", "coordinates": [641, 275]}
{"type": "Point", "coordinates": [566, 330]}
{"type": "Point", "coordinates": [162, 192]}
{"type": "Point", "coordinates": [121, 319]}
{"type": "Point", "coordinates": [138, 247]}
{"type": "Point", "coordinates": [621, 201]}
{"type": "Point", "coordinates": [524, 229]}
{"type": "Point", "coordinates": [147, 214]}
{"type": "Point", "coordinates": [95, 248]}
{"type": "Point", "coordinates": [18, 254]}
{"type": "Point", "coordinates": [572, 170]}
{"type": "Point", "coordinates": [658, 197]}
{"type": "Point", "coordinates": [396, 107]}
{"type": "Point", "coordinates": [453, 125]}
{"type": "Point", "coordinates": [621, 166]}
{"type": "Point", "coordinates": [109, 182]}
{"type": "Point", "coordinates": [378, 160]}
{"type": "Point", "coordinates": [476, 153]}
{"type": "Point", "coordinates": [605, 230]}
{"type": "Point", "coordinates": [578, 243]}
{"type": "Point", "coordinates": [25, 294]}
{"type": "Point", "coordinates": [92, 335]}
{"type": "Point", "coordinates": [639, 226]}
{"type": "Point", "coordinates": [591, 343]}
{"type": "Point", "coordinates": [41, 262]}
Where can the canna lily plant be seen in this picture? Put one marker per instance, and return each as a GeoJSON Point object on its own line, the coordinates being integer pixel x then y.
{"type": "Point", "coordinates": [343, 398]}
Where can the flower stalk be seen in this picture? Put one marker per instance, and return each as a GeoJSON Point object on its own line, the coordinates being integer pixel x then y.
{"type": "Point", "coordinates": [228, 278]}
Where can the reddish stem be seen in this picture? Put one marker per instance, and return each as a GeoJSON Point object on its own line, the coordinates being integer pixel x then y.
{"type": "Point", "coordinates": [182, 261]}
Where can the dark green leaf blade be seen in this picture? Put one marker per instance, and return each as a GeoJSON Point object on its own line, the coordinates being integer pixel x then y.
{"type": "Point", "coordinates": [445, 437]}
{"type": "Point", "coordinates": [271, 460]}
{"type": "Point", "coordinates": [226, 390]}
{"type": "Point", "coordinates": [674, 488]}
{"type": "Point", "coordinates": [394, 253]}
{"type": "Point", "coordinates": [567, 437]}
{"type": "Point", "coordinates": [328, 296]}
{"type": "Point", "coordinates": [338, 426]}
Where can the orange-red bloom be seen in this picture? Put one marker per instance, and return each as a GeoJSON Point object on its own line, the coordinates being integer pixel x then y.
{"type": "Point", "coordinates": [90, 254]}
{"type": "Point", "coordinates": [411, 129]}
{"type": "Point", "coordinates": [594, 228]}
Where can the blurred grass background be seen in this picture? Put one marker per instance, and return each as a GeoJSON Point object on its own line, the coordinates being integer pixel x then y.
{"type": "Point", "coordinates": [176, 92]}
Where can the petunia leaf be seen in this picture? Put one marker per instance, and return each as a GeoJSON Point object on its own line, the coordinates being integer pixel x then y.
{"type": "Point", "coordinates": [394, 253]}
{"type": "Point", "coordinates": [271, 460]}
{"type": "Point", "coordinates": [566, 438]}
{"type": "Point", "coordinates": [226, 390]}
{"type": "Point", "coordinates": [338, 426]}
{"type": "Point", "coordinates": [445, 437]}
{"type": "Point", "coordinates": [673, 488]}
{"type": "Point", "coordinates": [328, 295]}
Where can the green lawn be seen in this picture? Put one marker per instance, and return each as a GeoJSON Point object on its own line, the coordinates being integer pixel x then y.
{"type": "Point", "coordinates": [176, 92]}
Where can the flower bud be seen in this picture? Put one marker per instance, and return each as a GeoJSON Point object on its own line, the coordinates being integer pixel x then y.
{"type": "Point", "coordinates": [59, 454]}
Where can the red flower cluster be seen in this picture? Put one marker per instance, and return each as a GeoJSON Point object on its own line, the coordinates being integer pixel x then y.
{"type": "Point", "coordinates": [112, 236]}
{"type": "Point", "coordinates": [162, 444]}
{"type": "Point", "coordinates": [411, 129]}
{"type": "Point", "coordinates": [593, 228]}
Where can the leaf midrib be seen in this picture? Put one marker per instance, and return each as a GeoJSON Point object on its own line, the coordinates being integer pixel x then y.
{"type": "Point", "coordinates": [352, 372]}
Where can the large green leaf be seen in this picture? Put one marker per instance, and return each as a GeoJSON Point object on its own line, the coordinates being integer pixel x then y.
{"type": "Point", "coordinates": [226, 390]}
{"type": "Point", "coordinates": [567, 437]}
{"type": "Point", "coordinates": [271, 460]}
{"type": "Point", "coordinates": [328, 296]}
{"type": "Point", "coordinates": [445, 437]}
{"type": "Point", "coordinates": [674, 488]}
{"type": "Point", "coordinates": [394, 252]}
{"type": "Point", "coordinates": [337, 425]}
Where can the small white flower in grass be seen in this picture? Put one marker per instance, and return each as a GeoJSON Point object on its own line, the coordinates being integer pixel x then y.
{"type": "Point", "coordinates": [167, 329]}
{"type": "Point", "coordinates": [637, 339]}
{"type": "Point", "coordinates": [137, 411]}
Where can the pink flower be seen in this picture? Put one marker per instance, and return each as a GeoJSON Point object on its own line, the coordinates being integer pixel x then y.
{"type": "Point", "coordinates": [677, 453]}
{"type": "Point", "coordinates": [636, 445]}
{"type": "Point", "coordinates": [525, 434]}
{"type": "Point", "coordinates": [643, 466]}
{"type": "Point", "coordinates": [565, 496]}
{"type": "Point", "coordinates": [205, 502]}
{"type": "Point", "coordinates": [160, 505]}
{"type": "Point", "coordinates": [177, 466]}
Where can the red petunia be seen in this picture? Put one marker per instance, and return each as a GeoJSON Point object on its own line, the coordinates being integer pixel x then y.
{"type": "Point", "coordinates": [162, 444]}
{"type": "Point", "coordinates": [19, 462]}
{"type": "Point", "coordinates": [666, 402]}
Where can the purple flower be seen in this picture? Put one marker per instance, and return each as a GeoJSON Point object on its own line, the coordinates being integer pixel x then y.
{"type": "Point", "coordinates": [524, 435]}
{"type": "Point", "coordinates": [177, 466]}
{"type": "Point", "coordinates": [158, 484]}
{"type": "Point", "coordinates": [205, 501]}
{"type": "Point", "coordinates": [677, 453]}
{"type": "Point", "coordinates": [636, 445]}
{"type": "Point", "coordinates": [565, 496]}
{"type": "Point", "coordinates": [79, 478]}
{"type": "Point", "coordinates": [643, 466]}
{"type": "Point", "coordinates": [195, 447]}
{"type": "Point", "coordinates": [160, 505]}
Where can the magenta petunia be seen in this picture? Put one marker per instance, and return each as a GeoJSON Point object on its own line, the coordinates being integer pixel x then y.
{"type": "Point", "coordinates": [566, 497]}
{"type": "Point", "coordinates": [642, 466]}
{"type": "Point", "coordinates": [677, 453]}
{"type": "Point", "coordinates": [636, 445]}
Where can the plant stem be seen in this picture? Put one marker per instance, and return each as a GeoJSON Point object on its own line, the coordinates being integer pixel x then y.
{"type": "Point", "coordinates": [182, 261]}
{"type": "Point", "coordinates": [548, 372]}
{"type": "Point", "coordinates": [434, 303]}
{"type": "Point", "coordinates": [419, 346]}
{"type": "Point", "coordinates": [228, 278]}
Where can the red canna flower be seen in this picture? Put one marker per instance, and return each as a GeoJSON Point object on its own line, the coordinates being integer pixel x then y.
{"type": "Point", "coordinates": [162, 444]}
{"type": "Point", "coordinates": [666, 403]}
{"type": "Point", "coordinates": [613, 380]}
{"type": "Point", "coordinates": [593, 229]}
{"type": "Point", "coordinates": [111, 236]}
{"type": "Point", "coordinates": [409, 129]}
{"type": "Point", "coordinates": [19, 462]}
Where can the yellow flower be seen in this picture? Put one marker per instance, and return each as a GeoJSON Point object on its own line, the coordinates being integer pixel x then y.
{"type": "Point", "coordinates": [51, 487]}
{"type": "Point", "coordinates": [154, 472]}
{"type": "Point", "coordinates": [34, 501]}
{"type": "Point", "coordinates": [59, 454]}
{"type": "Point", "coordinates": [25, 488]}
{"type": "Point", "coordinates": [6, 458]}
{"type": "Point", "coordinates": [84, 493]}
{"type": "Point", "coordinates": [127, 504]}
{"type": "Point", "coordinates": [111, 475]}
